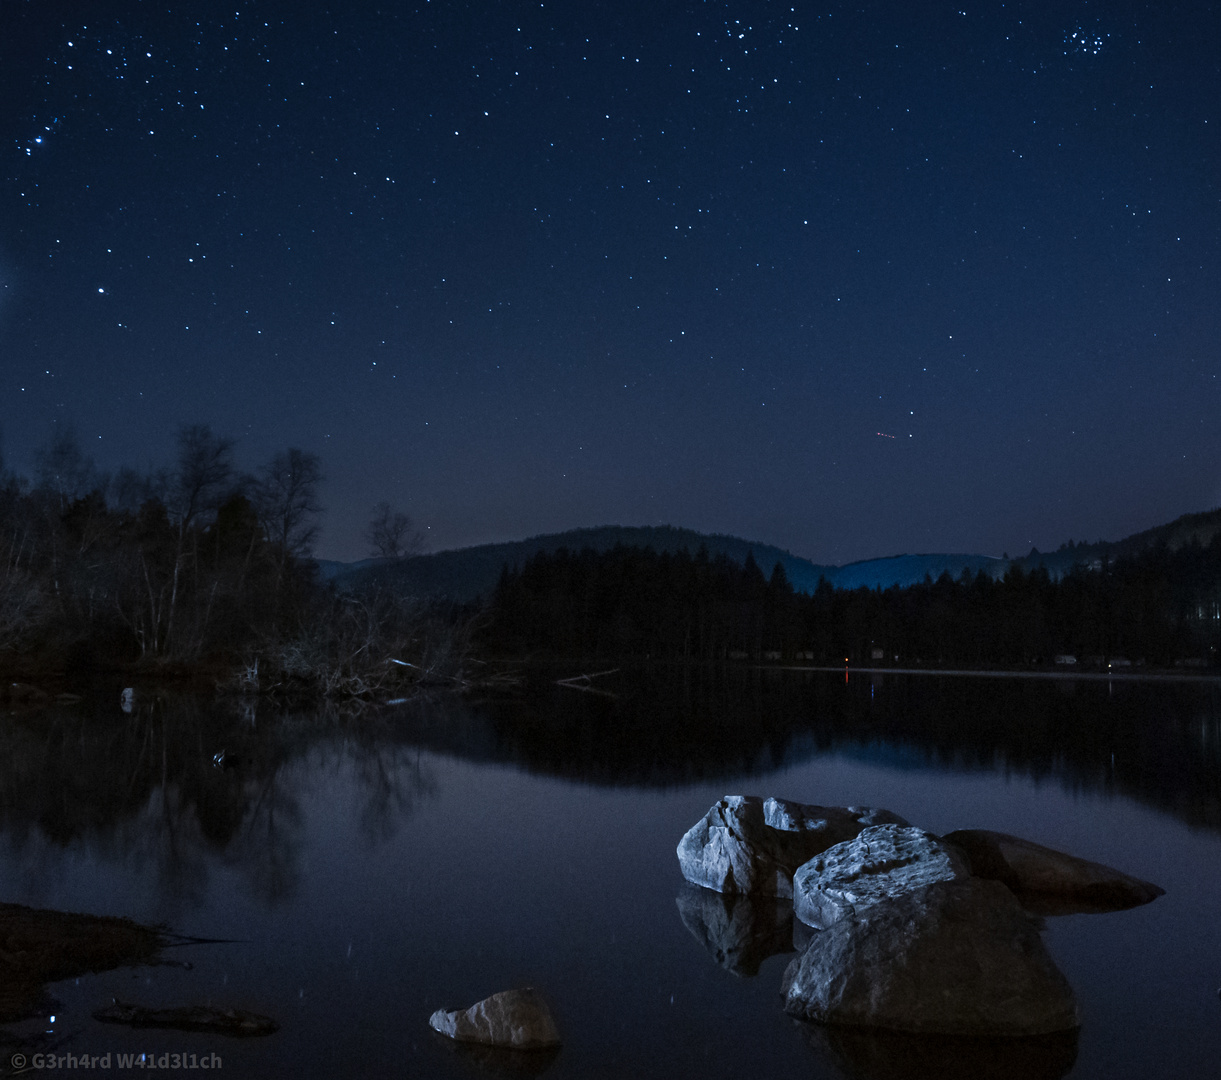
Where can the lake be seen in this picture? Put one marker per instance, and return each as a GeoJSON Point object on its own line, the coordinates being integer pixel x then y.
{"type": "Point", "coordinates": [363, 870]}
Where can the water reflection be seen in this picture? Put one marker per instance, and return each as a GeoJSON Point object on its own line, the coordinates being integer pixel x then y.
{"type": "Point", "coordinates": [1153, 741]}
{"type": "Point", "coordinates": [143, 787]}
{"type": "Point", "coordinates": [495, 1061]}
{"type": "Point", "coordinates": [739, 931]}
{"type": "Point", "coordinates": [165, 788]}
{"type": "Point", "coordinates": [858, 1054]}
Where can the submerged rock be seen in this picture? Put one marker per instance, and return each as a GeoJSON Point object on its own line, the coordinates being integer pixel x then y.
{"type": "Point", "coordinates": [748, 845]}
{"type": "Point", "coordinates": [1069, 883]}
{"type": "Point", "coordinates": [189, 1018]}
{"type": "Point", "coordinates": [518, 1019]}
{"type": "Point", "coordinates": [883, 861]}
{"type": "Point", "coordinates": [499, 1061]}
{"type": "Point", "coordinates": [739, 931]}
{"type": "Point", "coordinates": [951, 958]}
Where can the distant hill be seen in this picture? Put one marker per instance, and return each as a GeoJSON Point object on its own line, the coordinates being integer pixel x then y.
{"type": "Point", "coordinates": [905, 570]}
{"type": "Point", "coordinates": [466, 573]}
{"type": "Point", "coordinates": [1198, 528]}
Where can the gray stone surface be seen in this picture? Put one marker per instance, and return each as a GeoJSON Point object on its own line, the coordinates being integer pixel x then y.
{"type": "Point", "coordinates": [740, 932]}
{"type": "Point", "coordinates": [882, 861]}
{"type": "Point", "coordinates": [951, 958]}
{"type": "Point", "coordinates": [1030, 869]}
{"type": "Point", "coordinates": [834, 824]}
{"type": "Point", "coordinates": [747, 845]}
{"type": "Point", "coordinates": [518, 1019]}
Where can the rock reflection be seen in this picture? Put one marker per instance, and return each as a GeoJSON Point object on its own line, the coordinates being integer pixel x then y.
{"type": "Point", "coordinates": [739, 931]}
{"type": "Point", "coordinates": [498, 1061]}
{"type": "Point", "coordinates": [858, 1054]}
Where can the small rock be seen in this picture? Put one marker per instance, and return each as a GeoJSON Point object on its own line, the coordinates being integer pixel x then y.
{"type": "Point", "coordinates": [747, 845]}
{"type": "Point", "coordinates": [1031, 869]}
{"type": "Point", "coordinates": [882, 862]}
{"type": "Point", "coordinates": [951, 958]}
{"type": "Point", "coordinates": [518, 1019]}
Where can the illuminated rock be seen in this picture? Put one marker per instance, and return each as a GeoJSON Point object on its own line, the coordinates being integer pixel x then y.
{"type": "Point", "coordinates": [951, 958]}
{"type": "Point", "coordinates": [517, 1019]}
{"type": "Point", "coordinates": [881, 862]}
{"type": "Point", "coordinates": [748, 845]}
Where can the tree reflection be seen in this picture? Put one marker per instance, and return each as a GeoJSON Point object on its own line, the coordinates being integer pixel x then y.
{"type": "Point", "coordinates": [1156, 742]}
{"type": "Point", "coordinates": [166, 788]}
{"type": "Point", "coordinates": [142, 790]}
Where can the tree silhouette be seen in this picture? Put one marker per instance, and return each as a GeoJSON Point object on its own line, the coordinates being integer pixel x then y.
{"type": "Point", "coordinates": [286, 496]}
{"type": "Point", "coordinates": [391, 534]}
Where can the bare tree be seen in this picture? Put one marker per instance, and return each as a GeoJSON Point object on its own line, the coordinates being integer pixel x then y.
{"type": "Point", "coordinates": [286, 495]}
{"type": "Point", "coordinates": [64, 469]}
{"type": "Point", "coordinates": [391, 534]}
{"type": "Point", "coordinates": [204, 474]}
{"type": "Point", "coordinates": [131, 489]}
{"type": "Point", "coordinates": [199, 485]}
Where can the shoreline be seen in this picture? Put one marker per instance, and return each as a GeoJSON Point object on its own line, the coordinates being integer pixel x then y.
{"type": "Point", "coordinates": [1001, 673]}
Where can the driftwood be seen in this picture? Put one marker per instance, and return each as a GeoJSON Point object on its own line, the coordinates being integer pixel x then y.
{"type": "Point", "coordinates": [233, 1022]}
{"type": "Point", "coordinates": [585, 683]}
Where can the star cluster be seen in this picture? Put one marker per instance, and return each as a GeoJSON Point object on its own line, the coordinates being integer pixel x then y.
{"type": "Point", "coordinates": [523, 267]}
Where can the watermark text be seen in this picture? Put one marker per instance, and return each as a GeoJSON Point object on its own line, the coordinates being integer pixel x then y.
{"type": "Point", "coordinates": [167, 1061]}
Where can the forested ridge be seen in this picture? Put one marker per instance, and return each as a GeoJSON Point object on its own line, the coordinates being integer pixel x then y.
{"type": "Point", "coordinates": [204, 566]}
{"type": "Point", "coordinates": [1160, 606]}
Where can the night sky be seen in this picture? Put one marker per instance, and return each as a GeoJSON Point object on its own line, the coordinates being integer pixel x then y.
{"type": "Point", "coordinates": [851, 279]}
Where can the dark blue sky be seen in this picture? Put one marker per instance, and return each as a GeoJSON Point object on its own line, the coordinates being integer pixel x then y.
{"type": "Point", "coordinates": [851, 279]}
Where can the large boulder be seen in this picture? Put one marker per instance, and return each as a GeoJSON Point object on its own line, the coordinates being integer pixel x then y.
{"type": "Point", "coordinates": [516, 1019]}
{"type": "Point", "coordinates": [745, 844]}
{"type": "Point", "coordinates": [882, 861]}
{"type": "Point", "coordinates": [951, 958]}
{"type": "Point", "coordinates": [739, 931]}
{"type": "Point", "coordinates": [1036, 872]}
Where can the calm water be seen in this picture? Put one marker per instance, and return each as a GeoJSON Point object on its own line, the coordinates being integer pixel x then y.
{"type": "Point", "coordinates": [374, 869]}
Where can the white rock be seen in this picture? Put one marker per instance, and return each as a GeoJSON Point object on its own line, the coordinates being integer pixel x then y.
{"type": "Point", "coordinates": [951, 958]}
{"type": "Point", "coordinates": [518, 1019]}
{"type": "Point", "coordinates": [882, 861]}
{"type": "Point", "coordinates": [747, 845]}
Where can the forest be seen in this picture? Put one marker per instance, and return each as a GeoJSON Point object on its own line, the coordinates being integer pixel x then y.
{"type": "Point", "coordinates": [1159, 607]}
{"type": "Point", "coordinates": [198, 570]}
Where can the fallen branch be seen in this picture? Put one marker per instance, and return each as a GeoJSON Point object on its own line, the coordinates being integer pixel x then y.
{"type": "Point", "coordinates": [191, 1018]}
{"type": "Point", "coordinates": [584, 683]}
